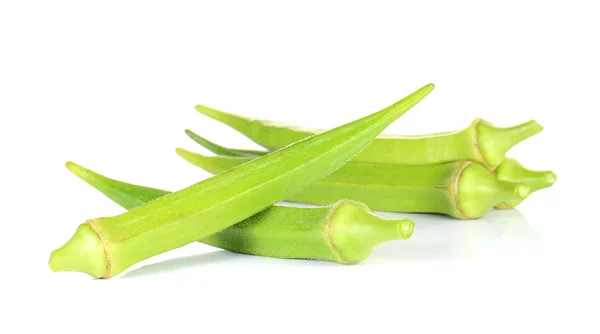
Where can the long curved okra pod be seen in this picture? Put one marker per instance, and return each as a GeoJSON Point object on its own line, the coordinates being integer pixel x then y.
{"type": "Point", "coordinates": [104, 247]}
{"type": "Point", "coordinates": [462, 189]}
{"type": "Point", "coordinates": [345, 232]}
{"type": "Point", "coordinates": [509, 170]}
{"type": "Point", "coordinates": [480, 142]}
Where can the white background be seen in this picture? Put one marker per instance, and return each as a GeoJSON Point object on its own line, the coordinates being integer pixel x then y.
{"type": "Point", "coordinates": [112, 86]}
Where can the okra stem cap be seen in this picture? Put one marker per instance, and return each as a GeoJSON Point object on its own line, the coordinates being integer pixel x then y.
{"type": "Point", "coordinates": [84, 252]}
{"type": "Point", "coordinates": [494, 141]}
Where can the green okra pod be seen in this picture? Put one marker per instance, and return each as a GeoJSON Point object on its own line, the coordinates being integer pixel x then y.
{"type": "Point", "coordinates": [509, 170]}
{"type": "Point", "coordinates": [481, 142]}
{"type": "Point", "coordinates": [461, 189]}
{"type": "Point", "coordinates": [104, 247]}
{"type": "Point", "coordinates": [344, 232]}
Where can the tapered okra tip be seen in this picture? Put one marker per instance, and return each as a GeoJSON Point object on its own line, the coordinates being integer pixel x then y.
{"type": "Point", "coordinates": [201, 107]}
{"type": "Point", "coordinates": [195, 137]}
{"type": "Point", "coordinates": [191, 157]}
{"type": "Point", "coordinates": [208, 111]}
{"type": "Point", "coordinates": [72, 166]}
{"type": "Point", "coordinates": [185, 154]}
{"type": "Point", "coordinates": [425, 89]}
{"type": "Point", "coordinates": [84, 252]}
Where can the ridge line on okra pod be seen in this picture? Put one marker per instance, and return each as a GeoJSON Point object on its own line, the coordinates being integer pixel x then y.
{"type": "Point", "coordinates": [478, 146]}
{"type": "Point", "coordinates": [454, 189]}
{"type": "Point", "coordinates": [104, 245]}
{"type": "Point", "coordinates": [329, 237]}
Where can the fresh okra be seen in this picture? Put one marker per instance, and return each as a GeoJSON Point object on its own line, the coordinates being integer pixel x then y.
{"type": "Point", "coordinates": [481, 142]}
{"type": "Point", "coordinates": [345, 232]}
{"type": "Point", "coordinates": [104, 247]}
{"type": "Point", "coordinates": [509, 170]}
{"type": "Point", "coordinates": [462, 189]}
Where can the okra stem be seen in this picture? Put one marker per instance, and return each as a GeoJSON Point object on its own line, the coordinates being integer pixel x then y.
{"type": "Point", "coordinates": [345, 232]}
{"type": "Point", "coordinates": [104, 247]}
{"type": "Point", "coordinates": [512, 170]}
{"type": "Point", "coordinates": [481, 142]}
{"type": "Point", "coordinates": [461, 189]}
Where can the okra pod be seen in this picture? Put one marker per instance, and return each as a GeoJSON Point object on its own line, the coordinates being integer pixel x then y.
{"type": "Point", "coordinates": [344, 232]}
{"type": "Point", "coordinates": [220, 150]}
{"type": "Point", "coordinates": [104, 247]}
{"type": "Point", "coordinates": [481, 142]}
{"type": "Point", "coordinates": [509, 170]}
{"type": "Point", "coordinates": [462, 189]}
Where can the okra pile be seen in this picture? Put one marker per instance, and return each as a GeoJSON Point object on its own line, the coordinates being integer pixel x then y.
{"type": "Point", "coordinates": [462, 174]}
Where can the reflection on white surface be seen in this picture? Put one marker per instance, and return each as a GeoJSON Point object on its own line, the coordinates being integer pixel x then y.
{"type": "Point", "coordinates": [175, 264]}
{"type": "Point", "coordinates": [438, 237]}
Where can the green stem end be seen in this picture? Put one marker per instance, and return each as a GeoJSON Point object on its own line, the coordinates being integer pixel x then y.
{"type": "Point", "coordinates": [494, 141]}
{"type": "Point", "coordinates": [84, 252]}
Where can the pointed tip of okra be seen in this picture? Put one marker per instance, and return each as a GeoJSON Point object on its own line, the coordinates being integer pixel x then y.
{"type": "Point", "coordinates": [72, 166]}
{"type": "Point", "coordinates": [190, 133]}
{"type": "Point", "coordinates": [215, 114]}
{"type": "Point", "coordinates": [185, 154]}
{"type": "Point", "coordinates": [198, 139]}
{"type": "Point", "coordinates": [195, 159]}
{"type": "Point", "coordinates": [495, 142]}
{"type": "Point", "coordinates": [84, 252]}
{"type": "Point", "coordinates": [78, 170]}
{"type": "Point", "coordinates": [212, 113]}
{"type": "Point", "coordinates": [82, 172]}
{"type": "Point", "coordinates": [205, 109]}
{"type": "Point", "coordinates": [239, 123]}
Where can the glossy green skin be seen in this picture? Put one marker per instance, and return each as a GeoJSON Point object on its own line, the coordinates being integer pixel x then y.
{"type": "Point", "coordinates": [481, 142]}
{"type": "Point", "coordinates": [463, 189]}
{"type": "Point", "coordinates": [509, 170]}
{"type": "Point", "coordinates": [214, 204]}
{"type": "Point", "coordinates": [512, 170]}
{"type": "Point", "coordinates": [345, 232]}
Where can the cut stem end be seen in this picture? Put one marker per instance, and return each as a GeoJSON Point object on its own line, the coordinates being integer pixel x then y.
{"type": "Point", "coordinates": [406, 228]}
{"type": "Point", "coordinates": [84, 252]}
